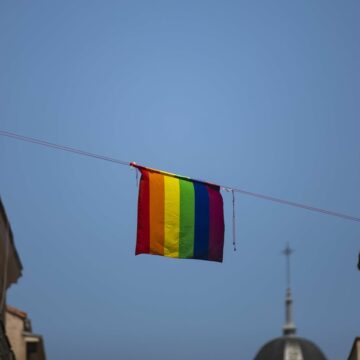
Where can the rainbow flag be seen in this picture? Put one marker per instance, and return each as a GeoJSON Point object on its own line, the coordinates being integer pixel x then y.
{"type": "Point", "coordinates": [179, 217]}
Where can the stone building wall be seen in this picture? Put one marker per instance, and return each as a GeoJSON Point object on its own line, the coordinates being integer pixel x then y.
{"type": "Point", "coordinates": [14, 330]}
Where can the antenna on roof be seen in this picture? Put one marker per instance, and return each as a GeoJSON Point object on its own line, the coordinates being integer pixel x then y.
{"type": "Point", "coordinates": [289, 328]}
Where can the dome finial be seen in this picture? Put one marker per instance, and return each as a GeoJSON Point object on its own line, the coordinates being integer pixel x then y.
{"type": "Point", "coordinates": [289, 327]}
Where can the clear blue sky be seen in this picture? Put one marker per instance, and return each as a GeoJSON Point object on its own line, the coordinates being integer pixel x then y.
{"type": "Point", "coordinates": [255, 94]}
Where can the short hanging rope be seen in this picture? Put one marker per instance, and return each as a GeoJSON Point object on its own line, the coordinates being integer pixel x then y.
{"type": "Point", "coordinates": [136, 177]}
{"type": "Point", "coordinates": [233, 216]}
{"type": "Point", "coordinates": [233, 219]}
{"type": "Point", "coordinates": [133, 165]}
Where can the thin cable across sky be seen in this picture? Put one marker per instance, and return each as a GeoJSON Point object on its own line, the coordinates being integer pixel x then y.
{"type": "Point", "coordinates": [127, 163]}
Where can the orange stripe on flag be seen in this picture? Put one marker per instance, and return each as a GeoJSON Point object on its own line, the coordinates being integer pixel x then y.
{"type": "Point", "coordinates": [156, 213]}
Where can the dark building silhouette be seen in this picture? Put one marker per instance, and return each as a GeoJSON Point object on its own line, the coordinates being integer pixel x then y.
{"type": "Point", "coordinates": [17, 341]}
{"type": "Point", "coordinates": [355, 350]}
{"type": "Point", "coordinates": [10, 272]}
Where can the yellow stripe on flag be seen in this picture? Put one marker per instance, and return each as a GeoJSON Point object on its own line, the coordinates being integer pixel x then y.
{"type": "Point", "coordinates": [172, 216]}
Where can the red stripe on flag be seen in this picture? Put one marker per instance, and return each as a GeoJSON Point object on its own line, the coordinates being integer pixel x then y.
{"type": "Point", "coordinates": [143, 228]}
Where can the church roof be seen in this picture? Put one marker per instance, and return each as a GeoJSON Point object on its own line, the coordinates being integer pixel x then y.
{"type": "Point", "coordinates": [14, 311]}
{"type": "Point", "coordinates": [290, 348]}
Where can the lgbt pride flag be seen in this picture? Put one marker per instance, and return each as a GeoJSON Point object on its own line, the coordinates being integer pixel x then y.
{"type": "Point", "coordinates": [179, 217]}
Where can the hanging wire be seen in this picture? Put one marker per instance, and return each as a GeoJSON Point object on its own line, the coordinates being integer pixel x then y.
{"type": "Point", "coordinates": [121, 162]}
{"type": "Point", "coordinates": [298, 205]}
{"type": "Point", "coordinates": [61, 147]}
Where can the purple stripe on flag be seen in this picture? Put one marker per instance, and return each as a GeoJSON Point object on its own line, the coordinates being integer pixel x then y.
{"type": "Point", "coordinates": [216, 233]}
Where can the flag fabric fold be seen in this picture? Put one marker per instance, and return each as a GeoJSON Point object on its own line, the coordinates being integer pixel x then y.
{"type": "Point", "coordinates": [179, 217]}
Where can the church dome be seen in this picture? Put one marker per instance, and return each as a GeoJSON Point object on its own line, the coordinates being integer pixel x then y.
{"type": "Point", "coordinates": [290, 348]}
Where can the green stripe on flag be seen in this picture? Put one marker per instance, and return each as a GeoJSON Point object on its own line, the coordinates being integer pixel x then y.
{"type": "Point", "coordinates": [187, 219]}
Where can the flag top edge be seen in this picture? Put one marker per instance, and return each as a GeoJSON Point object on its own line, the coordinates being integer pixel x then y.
{"type": "Point", "coordinates": [141, 167]}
